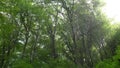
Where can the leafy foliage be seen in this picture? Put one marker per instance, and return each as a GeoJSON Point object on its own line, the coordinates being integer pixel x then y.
{"type": "Point", "coordinates": [113, 62]}
{"type": "Point", "coordinates": [56, 34]}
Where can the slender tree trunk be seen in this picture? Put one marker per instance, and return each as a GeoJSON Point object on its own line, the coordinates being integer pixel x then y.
{"type": "Point", "coordinates": [33, 49]}
{"type": "Point", "coordinates": [24, 47]}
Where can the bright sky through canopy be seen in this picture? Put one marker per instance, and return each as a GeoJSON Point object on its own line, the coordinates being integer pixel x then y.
{"type": "Point", "coordinates": [112, 9]}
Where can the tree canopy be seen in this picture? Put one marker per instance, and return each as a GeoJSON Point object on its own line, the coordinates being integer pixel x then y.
{"type": "Point", "coordinates": [57, 34]}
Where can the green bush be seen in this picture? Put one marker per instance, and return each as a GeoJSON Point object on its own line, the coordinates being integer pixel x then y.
{"type": "Point", "coordinates": [21, 64]}
{"type": "Point", "coordinates": [113, 62]}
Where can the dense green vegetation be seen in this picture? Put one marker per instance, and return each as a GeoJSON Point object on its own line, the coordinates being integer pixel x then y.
{"type": "Point", "coordinates": [57, 34]}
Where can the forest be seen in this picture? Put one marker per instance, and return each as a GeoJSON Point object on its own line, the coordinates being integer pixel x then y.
{"type": "Point", "coordinates": [57, 34]}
